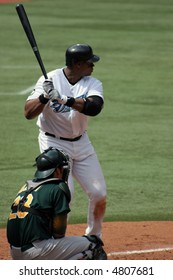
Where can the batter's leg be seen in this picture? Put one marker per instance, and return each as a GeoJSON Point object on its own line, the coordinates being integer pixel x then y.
{"type": "Point", "coordinates": [89, 175]}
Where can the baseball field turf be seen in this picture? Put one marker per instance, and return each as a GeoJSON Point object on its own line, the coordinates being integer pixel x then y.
{"type": "Point", "coordinates": [133, 136]}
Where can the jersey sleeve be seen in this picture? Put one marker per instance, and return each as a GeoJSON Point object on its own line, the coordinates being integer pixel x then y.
{"type": "Point", "coordinates": [38, 89]}
{"type": "Point", "coordinates": [95, 88]}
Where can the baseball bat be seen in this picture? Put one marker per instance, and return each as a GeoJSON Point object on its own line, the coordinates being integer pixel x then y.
{"type": "Point", "coordinates": [29, 33]}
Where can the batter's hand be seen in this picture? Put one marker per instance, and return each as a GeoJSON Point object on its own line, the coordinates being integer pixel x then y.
{"type": "Point", "coordinates": [52, 93]}
{"type": "Point", "coordinates": [48, 85]}
{"type": "Point", "coordinates": [55, 95]}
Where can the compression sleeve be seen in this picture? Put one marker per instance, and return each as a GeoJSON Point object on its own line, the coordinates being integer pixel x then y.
{"type": "Point", "coordinates": [94, 107]}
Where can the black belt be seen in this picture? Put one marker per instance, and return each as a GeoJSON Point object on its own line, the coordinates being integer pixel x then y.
{"type": "Point", "coordinates": [23, 248]}
{"type": "Point", "coordinates": [62, 138]}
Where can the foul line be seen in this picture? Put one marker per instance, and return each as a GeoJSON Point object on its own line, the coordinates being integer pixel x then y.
{"type": "Point", "coordinates": [139, 251]}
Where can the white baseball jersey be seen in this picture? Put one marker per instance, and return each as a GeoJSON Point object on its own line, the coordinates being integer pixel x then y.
{"type": "Point", "coordinates": [60, 120]}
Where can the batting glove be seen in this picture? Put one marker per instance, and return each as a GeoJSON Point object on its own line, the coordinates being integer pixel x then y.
{"type": "Point", "coordinates": [48, 86]}
{"type": "Point", "coordinates": [52, 93]}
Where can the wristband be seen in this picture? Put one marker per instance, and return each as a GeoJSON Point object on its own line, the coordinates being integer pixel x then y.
{"type": "Point", "coordinates": [70, 101]}
{"type": "Point", "coordinates": [42, 99]}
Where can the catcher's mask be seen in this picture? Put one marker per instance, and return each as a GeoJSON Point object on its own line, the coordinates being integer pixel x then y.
{"type": "Point", "coordinates": [80, 52]}
{"type": "Point", "coordinates": [49, 160]}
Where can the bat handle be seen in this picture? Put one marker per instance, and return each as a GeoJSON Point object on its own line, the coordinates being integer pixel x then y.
{"type": "Point", "coordinates": [37, 54]}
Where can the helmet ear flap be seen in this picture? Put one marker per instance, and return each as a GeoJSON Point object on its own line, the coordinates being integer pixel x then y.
{"type": "Point", "coordinates": [66, 171]}
{"type": "Point", "coordinates": [66, 166]}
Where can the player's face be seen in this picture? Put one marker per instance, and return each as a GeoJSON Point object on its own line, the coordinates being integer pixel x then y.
{"type": "Point", "coordinates": [87, 68]}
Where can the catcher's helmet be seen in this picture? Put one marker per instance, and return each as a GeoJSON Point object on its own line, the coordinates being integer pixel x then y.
{"type": "Point", "coordinates": [80, 52]}
{"type": "Point", "coordinates": [49, 160]}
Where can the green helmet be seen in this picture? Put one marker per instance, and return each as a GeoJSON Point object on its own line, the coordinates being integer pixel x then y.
{"type": "Point", "coordinates": [49, 160]}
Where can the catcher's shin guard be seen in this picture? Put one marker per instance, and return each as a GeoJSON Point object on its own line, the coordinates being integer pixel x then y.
{"type": "Point", "coordinates": [97, 252]}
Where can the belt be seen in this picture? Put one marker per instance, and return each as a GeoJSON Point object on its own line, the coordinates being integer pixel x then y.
{"type": "Point", "coordinates": [62, 138]}
{"type": "Point", "coordinates": [23, 248]}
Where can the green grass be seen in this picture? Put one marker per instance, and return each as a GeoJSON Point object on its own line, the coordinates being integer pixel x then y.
{"type": "Point", "coordinates": [133, 135]}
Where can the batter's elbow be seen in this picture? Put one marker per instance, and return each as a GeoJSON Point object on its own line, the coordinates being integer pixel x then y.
{"type": "Point", "coordinates": [29, 111]}
{"type": "Point", "coordinates": [27, 115]}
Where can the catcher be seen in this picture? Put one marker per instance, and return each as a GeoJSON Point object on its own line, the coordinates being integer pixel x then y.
{"type": "Point", "coordinates": [37, 223]}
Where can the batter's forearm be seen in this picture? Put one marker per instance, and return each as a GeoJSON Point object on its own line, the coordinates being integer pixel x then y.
{"type": "Point", "coordinates": [90, 106]}
{"type": "Point", "coordinates": [33, 108]}
{"type": "Point", "coordinates": [78, 104]}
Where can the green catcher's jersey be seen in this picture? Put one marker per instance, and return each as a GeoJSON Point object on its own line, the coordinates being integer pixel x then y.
{"type": "Point", "coordinates": [51, 198]}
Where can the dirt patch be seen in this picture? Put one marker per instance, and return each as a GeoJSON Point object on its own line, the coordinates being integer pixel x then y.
{"type": "Point", "coordinates": [124, 240]}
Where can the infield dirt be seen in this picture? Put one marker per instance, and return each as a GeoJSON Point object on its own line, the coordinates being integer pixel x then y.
{"type": "Point", "coordinates": [150, 240]}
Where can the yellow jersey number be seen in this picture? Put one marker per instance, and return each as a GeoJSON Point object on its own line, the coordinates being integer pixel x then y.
{"type": "Point", "coordinates": [20, 214]}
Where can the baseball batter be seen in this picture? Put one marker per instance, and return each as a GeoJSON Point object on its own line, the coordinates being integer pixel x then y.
{"type": "Point", "coordinates": [37, 223]}
{"type": "Point", "coordinates": [63, 103]}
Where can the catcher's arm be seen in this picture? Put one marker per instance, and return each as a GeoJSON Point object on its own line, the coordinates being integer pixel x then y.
{"type": "Point", "coordinates": [59, 225]}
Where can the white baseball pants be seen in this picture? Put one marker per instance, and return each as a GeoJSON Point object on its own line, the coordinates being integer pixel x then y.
{"type": "Point", "coordinates": [86, 169]}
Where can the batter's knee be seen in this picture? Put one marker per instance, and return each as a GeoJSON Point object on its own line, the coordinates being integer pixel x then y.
{"type": "Point", "coordinates": [97, 194]}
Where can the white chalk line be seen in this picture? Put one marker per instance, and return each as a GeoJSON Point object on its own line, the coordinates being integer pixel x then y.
{"type": "Point", "coordinates": [26, 91]}
{"type": "Point", "coordinates": [22, 92]}
{"type": "Point", "coordinates": [139, 251]}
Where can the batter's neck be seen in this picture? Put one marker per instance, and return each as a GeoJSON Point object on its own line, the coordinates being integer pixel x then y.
{"type": "Point", "coordinates": [71, 75]}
